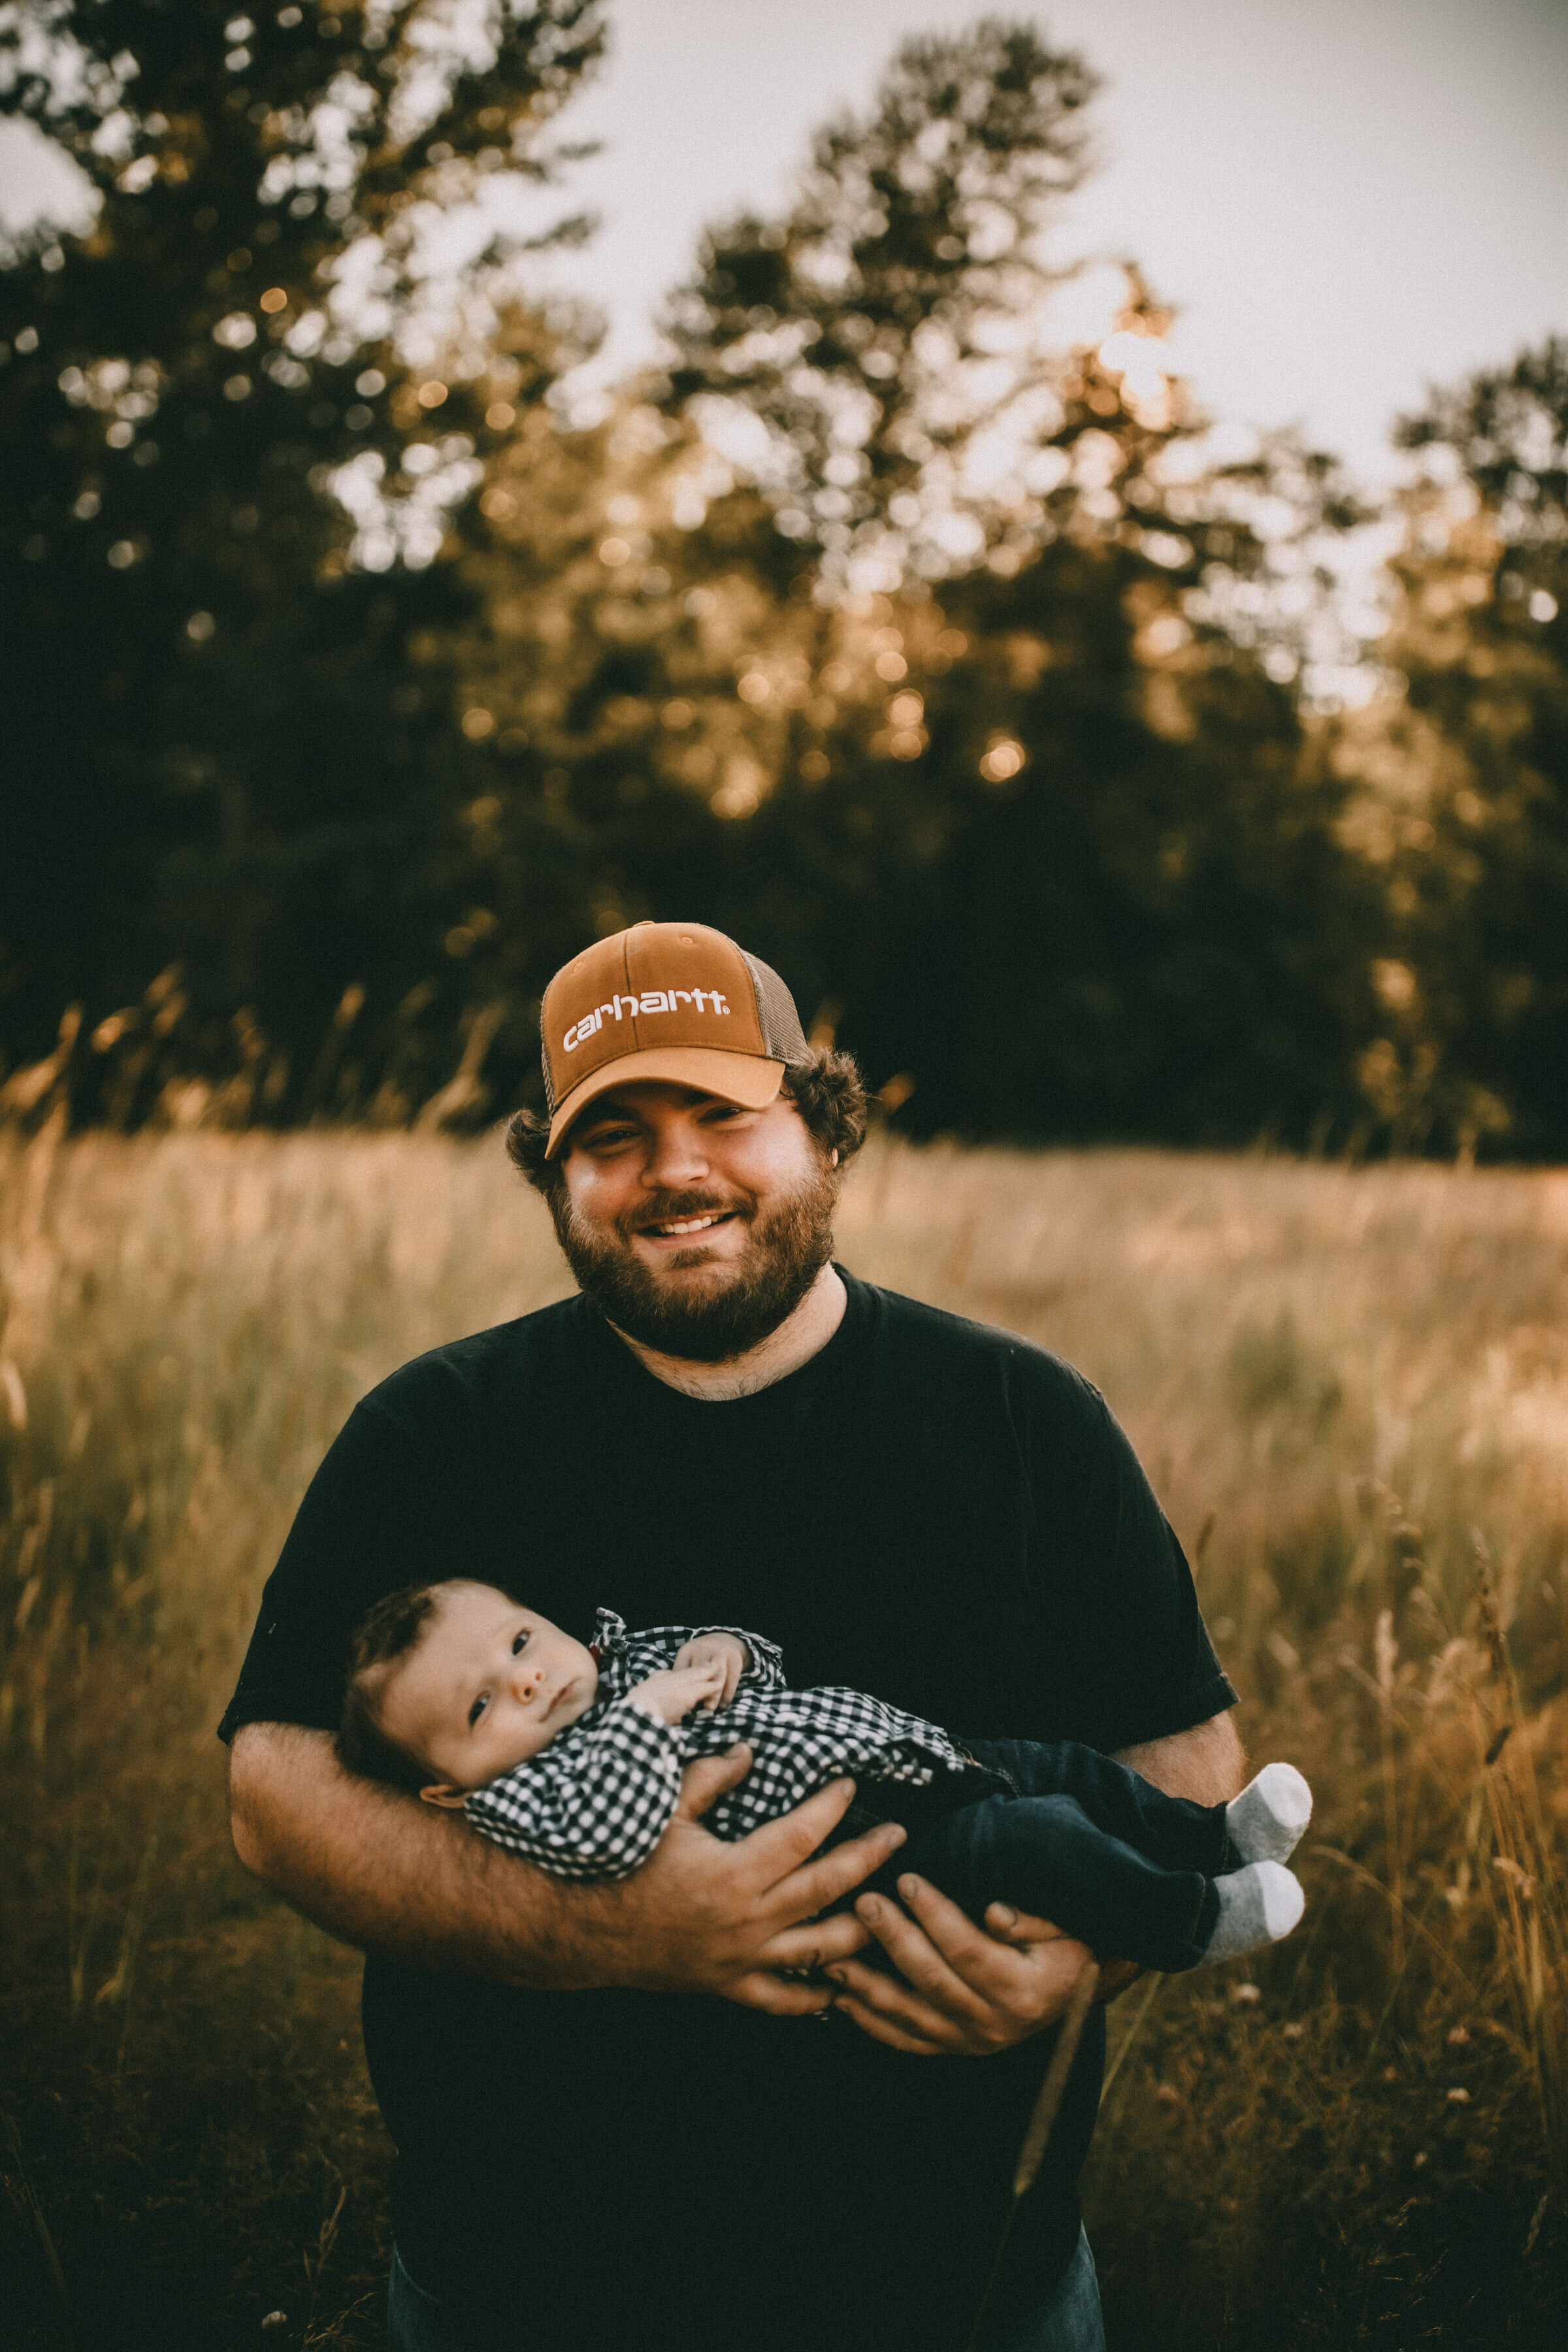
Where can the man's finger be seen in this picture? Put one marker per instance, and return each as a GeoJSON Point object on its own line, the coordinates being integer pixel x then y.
{"type": "Point", "coordinates": [870, 1993]}
{"type": "Point", "coordinates": [883, 2029]}
{"type": "Point", "coordinates": [940, 1950]}
{"type": "Point", "coordinates": [780, 1846]}
{"type": "Point", "coordinates": [703, 1783]}
{"type": "Point", "coordinates": [780, 1851]}
{"type": "Point", "coordinates": [920, 1960]}
{"type": "Point", "coordinates": [816, 1943]}
{"type": "Point", "coordinates": [1020, 1980]}
{"type": "Point", "coordinates": [1115, 1976]}
{"type": "Point", "coordinates": [1010, 1927]}
{"type": "Point", "coordinates": [817, 1886]}
{"type": "Point", "coordinates": [780, 1996]}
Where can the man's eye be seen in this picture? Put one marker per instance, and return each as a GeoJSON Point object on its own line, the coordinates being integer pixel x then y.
{"type": "Point", "coordinates": [519, 1642]}
{"type": "Point", "coordinates": [477, 1708]}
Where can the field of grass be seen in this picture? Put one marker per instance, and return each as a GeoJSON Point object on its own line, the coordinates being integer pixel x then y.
{"type": "Point", "coordinates": [1352, 1390]}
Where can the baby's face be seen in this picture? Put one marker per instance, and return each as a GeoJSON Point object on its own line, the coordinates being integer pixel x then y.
{"type": "Point", "coordinates": [488, 1685]}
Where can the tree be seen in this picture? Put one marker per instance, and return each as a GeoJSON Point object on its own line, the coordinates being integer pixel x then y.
{"type": "Point", "coordinates": [233, 417]}
{"type": "Point", "coordinates": [905, 641]}
{"type": "Point", "coordinates": [1464, 774]}
{"type": "Point", "coordinates": [879, 359]}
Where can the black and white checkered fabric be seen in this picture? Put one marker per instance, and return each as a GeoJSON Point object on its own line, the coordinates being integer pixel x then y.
{"type": "Point", "coordinates": [596, 1802]}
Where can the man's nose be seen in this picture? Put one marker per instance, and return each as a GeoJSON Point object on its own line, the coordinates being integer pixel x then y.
{"type": "Point", "coordinates": [676, 1156]}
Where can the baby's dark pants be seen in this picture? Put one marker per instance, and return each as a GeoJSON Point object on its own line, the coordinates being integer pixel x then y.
{"type": "Point", "coordinates": [1061, 1831]}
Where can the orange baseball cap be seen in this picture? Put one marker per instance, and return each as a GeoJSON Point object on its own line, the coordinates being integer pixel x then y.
{"type": "Point", "coordinates": [673, 1001]}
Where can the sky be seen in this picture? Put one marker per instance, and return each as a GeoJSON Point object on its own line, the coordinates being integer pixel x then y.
{"type": "Point", "coordinates": [1346, 200]}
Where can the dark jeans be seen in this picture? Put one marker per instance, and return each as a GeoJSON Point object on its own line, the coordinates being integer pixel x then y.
{"type": "Point", "coordinates": [1059, 1830]}
{"type": "Point", "coordinates": [1067, 2321]}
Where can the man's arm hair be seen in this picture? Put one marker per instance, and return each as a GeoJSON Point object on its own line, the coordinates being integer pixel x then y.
{"type": "Point", "coordinates": [1206, 1763]}
{"type": "Point", "coordinates": [379, 1870]}
{"type": "Point", "coordinates": [382, 1872]}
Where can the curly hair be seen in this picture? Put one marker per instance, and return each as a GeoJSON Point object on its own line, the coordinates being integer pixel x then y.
{"type": "Point", "coordinates": [826, 1089]}
{"type": "Point", "coordinates": [385, 1633]}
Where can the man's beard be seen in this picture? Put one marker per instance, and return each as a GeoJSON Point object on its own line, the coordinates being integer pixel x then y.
{"type": "Point", "coordinates": [790, 1242]}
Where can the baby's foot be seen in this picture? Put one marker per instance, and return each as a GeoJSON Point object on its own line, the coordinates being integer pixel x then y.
{"type": "Point", "coordinates": [1258, 1906]}
{"type": "Point", "coordinates": [1266, 1821]}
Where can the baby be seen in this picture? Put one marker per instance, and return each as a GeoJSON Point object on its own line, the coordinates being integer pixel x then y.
{"type": "Point", "coordinates": [572, 1758]}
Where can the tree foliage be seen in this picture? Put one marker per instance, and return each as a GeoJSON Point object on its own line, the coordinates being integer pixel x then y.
{"type": "Point", "coordinates": [903, 624]}
{"type": "Point", "coordinates": [1464, 774]}
{"type": "Point", "coordinates": [903, 640]}
{"type": "Point", "coordinates": [872, 355]}
{"type": "Point", "coordinates": [225, 755]}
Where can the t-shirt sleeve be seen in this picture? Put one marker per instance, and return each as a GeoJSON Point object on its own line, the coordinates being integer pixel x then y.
{"type": "Point", "coordinates": [1130, 1658]}
{"type": "Point", "coordinates": [383, 1510]}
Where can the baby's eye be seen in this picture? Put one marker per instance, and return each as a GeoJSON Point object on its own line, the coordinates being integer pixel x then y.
{"type": "Point", "coordinates": [520, 1642]}
{"type": "Point", "coordinates": [477, 1708]}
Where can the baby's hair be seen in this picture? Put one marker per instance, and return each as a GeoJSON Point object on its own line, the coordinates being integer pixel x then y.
{"type": "Point", "coordinates": [386, 1632]}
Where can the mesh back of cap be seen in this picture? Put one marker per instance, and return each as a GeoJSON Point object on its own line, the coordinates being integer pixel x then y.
{"type": "Point", "coordinates": [781, 1032]}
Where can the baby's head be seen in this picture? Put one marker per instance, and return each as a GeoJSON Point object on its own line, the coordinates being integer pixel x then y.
{"type": "Point", "coordinates": [451, 1684]}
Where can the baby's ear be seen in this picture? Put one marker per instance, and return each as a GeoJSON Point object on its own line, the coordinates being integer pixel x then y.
{"type": "Point", "coordinates": [441, 1793]}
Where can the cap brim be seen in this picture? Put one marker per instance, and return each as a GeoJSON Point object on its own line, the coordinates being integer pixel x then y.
{"type": "Point", "coordinates": [742, 1079]}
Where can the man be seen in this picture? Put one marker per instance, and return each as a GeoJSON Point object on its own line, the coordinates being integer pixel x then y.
{"type": "Point", "coordinates": [687, 2107]}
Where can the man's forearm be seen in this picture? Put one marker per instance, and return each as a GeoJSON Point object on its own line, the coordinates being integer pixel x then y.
{"type": "Point", "coordinates": [383, 1873]}
{"type": "Point", "coordinates": [1206, 1763]}
{"type": "Point", "coordinates": [389, 1874]}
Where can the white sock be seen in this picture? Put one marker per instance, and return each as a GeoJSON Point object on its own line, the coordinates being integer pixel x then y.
{"type": "Point", "coordinates": [1258, 1906]}
{"type": "Point", "coordinates": [1267, 1820]}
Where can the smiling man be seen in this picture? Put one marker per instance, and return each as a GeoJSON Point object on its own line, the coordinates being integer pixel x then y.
{"type": "Point", "coordinates": [687, 2107]}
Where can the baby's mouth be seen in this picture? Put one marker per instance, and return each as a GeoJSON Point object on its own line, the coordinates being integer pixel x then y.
{"type": "Point", "coordinates": [573, 1697]}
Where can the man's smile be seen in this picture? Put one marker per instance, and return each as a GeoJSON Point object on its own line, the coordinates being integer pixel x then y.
{"type": "Point", "coordinates": [680, 1231]}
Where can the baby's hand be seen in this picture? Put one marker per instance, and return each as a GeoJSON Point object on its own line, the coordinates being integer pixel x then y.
{"type": "Point", "coordinates": [728, 1650]}
{"type": "Point", "coordinates": [674, 1691]}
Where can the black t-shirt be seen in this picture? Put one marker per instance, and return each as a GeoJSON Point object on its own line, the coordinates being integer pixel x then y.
{"type": "Point", "coordinates": [931, 1510]}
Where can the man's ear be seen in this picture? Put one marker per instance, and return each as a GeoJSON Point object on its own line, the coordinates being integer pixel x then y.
{"type": "Point", "coordinates": [441, 1793]}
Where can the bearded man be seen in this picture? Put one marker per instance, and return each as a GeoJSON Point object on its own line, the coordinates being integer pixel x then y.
{"type": "Point", "coordinates": [696, 2105]}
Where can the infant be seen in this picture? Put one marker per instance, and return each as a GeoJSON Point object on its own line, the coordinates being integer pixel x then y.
{"type": "Point", "coordinates": [572, 1758]}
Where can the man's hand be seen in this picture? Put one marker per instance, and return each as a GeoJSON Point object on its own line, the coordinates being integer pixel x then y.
{"type": "Point", "coordinates": [381, 1871]}
{"type": "Point", "coordinates": [961, 1990]}
{"type": "Point", "coordinates": [725, 1649]}
{"type": "Point", "coordinates": [967, 1992]}
{"type": "Point", "coordinates": [672, 1691]}
{"type": "Point", "coordinates": [702, 1915]}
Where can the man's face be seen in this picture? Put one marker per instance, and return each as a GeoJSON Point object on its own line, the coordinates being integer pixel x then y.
{"type": "Point", "coordinates": [694, 1225]}
{"type": "Point", "coordinates": [488, 1685]}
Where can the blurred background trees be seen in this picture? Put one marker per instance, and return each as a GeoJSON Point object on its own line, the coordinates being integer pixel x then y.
{"type": "Point", "coordinates": [224, 755]}
{"type": "Point", "coordinates": [1463, 773]}
{"type": "Point", "coordinates": [905, 625]}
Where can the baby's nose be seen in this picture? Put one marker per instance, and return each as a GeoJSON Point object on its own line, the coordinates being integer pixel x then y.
{"type": "Point", "coordinates": [526, 1680]}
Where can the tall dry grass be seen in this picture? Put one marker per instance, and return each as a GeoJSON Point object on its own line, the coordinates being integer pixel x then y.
{"type": "Point", "coordinates": [1351, 1390]}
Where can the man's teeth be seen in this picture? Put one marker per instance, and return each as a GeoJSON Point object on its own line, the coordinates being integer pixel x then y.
{"type": "Point", "coordinates": [690, 1224]}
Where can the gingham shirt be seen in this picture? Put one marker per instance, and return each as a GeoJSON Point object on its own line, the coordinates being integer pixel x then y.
{"type": "Point", "coordinates": [595, 1802]}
